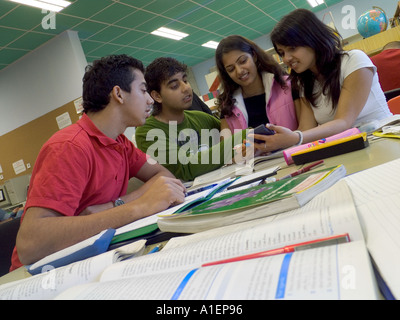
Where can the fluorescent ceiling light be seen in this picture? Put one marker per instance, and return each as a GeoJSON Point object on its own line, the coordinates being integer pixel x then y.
{"type": "Point", "coordinates": [211, 44]}
{"type": "Point", "coordinates": [169, 33]}
{"type": "Point", "coordinates": [315, 3]}
{"type": "Point", "coordinates": [51, 5]}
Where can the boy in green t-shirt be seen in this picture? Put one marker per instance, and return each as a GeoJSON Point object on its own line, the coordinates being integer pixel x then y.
{"type": "Point", "coordinates": [185, 142]}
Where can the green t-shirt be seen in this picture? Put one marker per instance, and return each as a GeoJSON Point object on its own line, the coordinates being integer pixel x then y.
{"type": "Point", "coordinates": [187, 149]}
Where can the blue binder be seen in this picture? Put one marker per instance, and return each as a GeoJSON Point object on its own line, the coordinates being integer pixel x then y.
{"type": "Point", "coordinates": [99, 246]}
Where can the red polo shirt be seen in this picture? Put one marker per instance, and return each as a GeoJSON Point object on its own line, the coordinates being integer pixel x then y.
{"type": "Point", "coordinates": [78, 167]}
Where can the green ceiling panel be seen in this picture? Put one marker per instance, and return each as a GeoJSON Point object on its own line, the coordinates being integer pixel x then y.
{"type": "Point", "coordinates": [87, 8]}
{"type": "Point", "coordinates": [62, 23]}
{"type": "Point", "coordinates": [8, 56]}
{"type": "Point", "coordinates": [161, 6]}
{"type": "Point", "coordinates": [185, 8]}
{"type": "Point", "coordinates": [135, 20]}
{"type": "Point", "coordinates": [30, 41]}
{"type": "Point", "coordinates": [88, 29]}
{"type": "Point", "coordinates": [114, 13]}
{"type": "Point", "coordinates": [124, 26]}
{"type": "Point", "coordinates": [128, 37]}
{"type": "Point", "coordinates": [8, 35]}
{"type": "Point", "coordinates": [108, 34]}
{"type": "Point", "coordinates": [23, 18]}
{"type": "Point", "coordinates": [89, 46]}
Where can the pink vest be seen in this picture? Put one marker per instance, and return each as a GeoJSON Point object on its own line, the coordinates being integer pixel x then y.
{"type": "Point", "coordinates": [279, 108]}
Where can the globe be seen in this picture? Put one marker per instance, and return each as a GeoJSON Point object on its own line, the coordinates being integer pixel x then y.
{"type": "Point", "coordinates": [372, 22]}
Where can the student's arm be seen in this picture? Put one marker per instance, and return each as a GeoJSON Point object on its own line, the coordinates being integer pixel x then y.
{"type": "Point", "coordinates": [305, 115]}
{"type": "Point", "coordinates": [44, 231]}
{"type": "Point", "coordinates": [225, 130]}
{"type": "Point", "coordinates": [354, 94]}
{"type": "Point", "coordinates": [148, 173]}
{"type": "Point", "coordinates": [353, 97]}
{"type": "Point", "coordinates": [208, 160]}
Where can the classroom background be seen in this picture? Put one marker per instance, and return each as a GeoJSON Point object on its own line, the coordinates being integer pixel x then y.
{"type": "Point", "coordinates": [43, 57]}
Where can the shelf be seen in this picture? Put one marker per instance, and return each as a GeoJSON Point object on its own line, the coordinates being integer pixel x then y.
{"type": "Point", "coordinates": [374, 44]}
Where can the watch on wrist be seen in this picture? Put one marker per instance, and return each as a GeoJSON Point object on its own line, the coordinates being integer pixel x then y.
{"type": "Point", "coordinates": [118, 202]}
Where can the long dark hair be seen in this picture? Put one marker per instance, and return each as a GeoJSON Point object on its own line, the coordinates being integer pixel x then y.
{"type": "Point", "coordinates": [264, 62]}
{"type": "Point", "coordinates": [302, 28]}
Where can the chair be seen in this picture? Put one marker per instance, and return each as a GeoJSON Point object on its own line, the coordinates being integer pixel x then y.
{"type": "Point", "coordinates": [392, 93]}
{"type": "Point", "coordinates": [394, 105]}
{"type": "Point", "coordinates": [8, 237]}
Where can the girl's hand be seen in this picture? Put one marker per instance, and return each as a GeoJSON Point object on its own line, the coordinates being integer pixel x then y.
{"type": "Point", "coordinates": [282, 139]}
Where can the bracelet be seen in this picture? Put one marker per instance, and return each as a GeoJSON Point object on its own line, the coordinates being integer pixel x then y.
{"type": "Point", "coordinates": [300, 137]}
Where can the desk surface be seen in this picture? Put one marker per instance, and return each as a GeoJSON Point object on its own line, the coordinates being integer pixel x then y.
{"type": "Point", "coordinates": [381, 150]}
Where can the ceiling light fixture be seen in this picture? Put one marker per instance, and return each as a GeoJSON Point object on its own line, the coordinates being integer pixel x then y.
{"type": "Point", "coordinates": [51, 5]}
{"type": "Point", "coordinates": [169, 33]}
{"type": "Point", "coordinates": [211, 44]}
{"type": "Point", "coordinates": [315, 3]}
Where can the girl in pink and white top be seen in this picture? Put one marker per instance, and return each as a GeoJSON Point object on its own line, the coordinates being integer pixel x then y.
{"type": "Point", "coordinates": [255, 89]}
{"type": "Point", "coordinates": [338, 89]}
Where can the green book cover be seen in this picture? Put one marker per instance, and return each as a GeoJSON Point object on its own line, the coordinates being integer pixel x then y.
{"type": "Point", "coordinates": [262, 194]}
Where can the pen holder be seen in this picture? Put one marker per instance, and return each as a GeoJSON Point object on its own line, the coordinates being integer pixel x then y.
{"type": "Point", "coordinates": [288, 152]}
{"type": "Point", "coordinates": [331, 149]}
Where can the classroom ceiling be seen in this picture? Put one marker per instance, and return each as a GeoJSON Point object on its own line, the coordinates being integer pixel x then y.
{"type": "Point", "coordinates": [123, 26]}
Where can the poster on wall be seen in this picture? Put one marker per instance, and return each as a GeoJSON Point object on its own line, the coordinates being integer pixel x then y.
{"type": "Point", "coordinates": [63, 120]}
{"type": "Point", "coordinates": [79, 105]}
{"type": "Point", "coordinates": [19, 166]}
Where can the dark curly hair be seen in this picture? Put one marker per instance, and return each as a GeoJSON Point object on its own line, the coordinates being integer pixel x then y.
{"type": "Point", "coordinates": [106, 73]}
{"type": "Point", "coordinates": [160, 70]}
{"type": "Point", "coordinates": [264, 62]}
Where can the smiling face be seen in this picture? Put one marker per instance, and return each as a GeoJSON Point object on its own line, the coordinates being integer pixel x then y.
{"type": "Point", "coordinates": [241, 67]}
{"type": "Point", "coordinates": [299, 58]}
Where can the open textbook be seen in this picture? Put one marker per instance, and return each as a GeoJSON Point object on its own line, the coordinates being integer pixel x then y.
{"type": "Point", "coordinates": [332, 272]}
{"type": "Point", "coordinates": [53, 281]}
{"type": "Point", "coordinates": [252, 203]}
{"type": "Point", "coordinates": [376, 193]}
{"type": "Point", "coordinates": [275, 277]}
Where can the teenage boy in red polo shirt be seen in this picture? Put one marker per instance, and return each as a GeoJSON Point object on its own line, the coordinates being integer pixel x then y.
{"type": "Point", "coordinates": [80, 179]}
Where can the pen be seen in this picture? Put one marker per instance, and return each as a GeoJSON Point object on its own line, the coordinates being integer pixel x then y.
{"type": "Point", "coordinates": [156, 249]}
{"type": "Point", "coordinates": [262, 178]}
{"type": "Point", "coordinates": [200, 189]}
{"type": "Point", "coordinates": [337, 239]}
{"type": "Point", "coordinates": [305, 169]}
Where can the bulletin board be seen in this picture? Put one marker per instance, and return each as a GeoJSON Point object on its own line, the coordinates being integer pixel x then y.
{"type": "Point", "coordinates": [19, 148]}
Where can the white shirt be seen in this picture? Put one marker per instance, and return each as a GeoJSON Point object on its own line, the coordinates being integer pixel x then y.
{"type": "Point", "coordinates": [376, 107]}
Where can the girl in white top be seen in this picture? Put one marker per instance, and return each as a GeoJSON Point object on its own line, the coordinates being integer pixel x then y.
{"type": "Point", "coordinates": [338, 89]}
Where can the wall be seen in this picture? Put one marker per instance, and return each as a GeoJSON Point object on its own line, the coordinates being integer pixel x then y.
{"type": "Point", "coordinates": [345, 28]}
{"type": "Point", "coordinates": [24, 143]}
{"type": "Point", "coordinates": [43, 80]}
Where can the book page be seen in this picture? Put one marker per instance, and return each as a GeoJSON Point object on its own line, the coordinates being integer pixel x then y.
{"type": "Point", "coordinates": [48, 285]}
{"type": "Point", "coordinates": [331, 272]}
{"type": "Point", "coordinates": [376, 193]}
{"type": "Point", "coordinates": [324, 216]}
{"type": "Point", "coordinates": [331, 212]}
